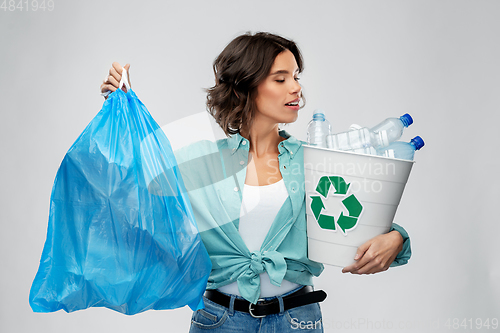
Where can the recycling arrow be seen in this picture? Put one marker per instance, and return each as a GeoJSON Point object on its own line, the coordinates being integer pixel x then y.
{"type": "Point", "coordinates": [351, 203]}
{"type": "Point", "coordinates": [316, 206]}
{"type": "Point", "coordinates": [354, 208]}
{"type": "Point", "coordinates": [325, 221]}
{"type": "Point", "coordinates": [338, 182]}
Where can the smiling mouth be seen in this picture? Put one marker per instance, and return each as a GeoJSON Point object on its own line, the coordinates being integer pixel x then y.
{"type": "Point", "coordinates": [295, 103]}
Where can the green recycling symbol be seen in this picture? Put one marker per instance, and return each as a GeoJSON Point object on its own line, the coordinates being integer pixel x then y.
{"type": "Point", "coordinates": [351, 203]}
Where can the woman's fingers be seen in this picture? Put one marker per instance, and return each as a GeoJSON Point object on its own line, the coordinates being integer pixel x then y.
{"type": "Point", "coordinates": [116, 72]}
{"type": "Point", "coordinates": [110, 87]}
{"type": "Point", "coordinates": [360, 258]}
{"type": "Point", "coordinates": [377, 254]}
{"type": "Point", "coordinates": [107, 87]}
{"type": "Point", "coordinates": [113, 74]}
{"type": "Point", "coordinates": [117, 67]}
{"type": "Point", "coordinates": [112, 81]}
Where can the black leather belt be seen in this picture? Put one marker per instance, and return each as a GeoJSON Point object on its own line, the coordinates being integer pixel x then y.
{"type": "Point", "coordinates": [303, 296]}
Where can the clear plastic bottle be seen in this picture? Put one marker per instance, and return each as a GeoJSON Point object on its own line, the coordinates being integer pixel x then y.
{"type": "Point", "coordinates": [366, 151]}
{"type": "Point", "coordinates": [317, 129]}
{"type": "Point", "coordinates": [402, 150]}
{"type": "Point", "coordinates": [379, 136]}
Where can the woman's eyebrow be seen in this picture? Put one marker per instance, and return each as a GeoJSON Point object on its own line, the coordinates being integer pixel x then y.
{"type": "Point", "coordinates": [284, 71]}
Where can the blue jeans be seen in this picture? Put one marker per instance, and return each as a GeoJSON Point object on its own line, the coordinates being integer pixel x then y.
{"type": "Point", "coordinates": [218, 318]}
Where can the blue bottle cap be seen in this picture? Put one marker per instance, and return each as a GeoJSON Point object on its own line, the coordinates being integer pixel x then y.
{"type": "Point", "coordinates": [406, 119]}
{"type": "Point", "coordinates": [319, 115]}
{"type": "Point", "coordinates": [417, 142]}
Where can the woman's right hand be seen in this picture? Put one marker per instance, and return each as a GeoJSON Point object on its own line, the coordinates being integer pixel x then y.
{"type": "Point", "coordinates": [112, 81]}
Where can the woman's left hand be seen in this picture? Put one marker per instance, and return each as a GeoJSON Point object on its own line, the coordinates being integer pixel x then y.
{"type": "Point", "coordinates": [377, 254]}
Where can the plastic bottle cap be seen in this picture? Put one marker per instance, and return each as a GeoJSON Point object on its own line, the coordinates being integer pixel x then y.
{"type": "Point", "coordinates": [417, 142]}
{"type": "Point", "coordinates": [406, 119]}
{"type": "Point", "coordinates": [318, 115]}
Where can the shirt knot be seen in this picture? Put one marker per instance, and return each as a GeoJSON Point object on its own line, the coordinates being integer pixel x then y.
{"type": "Point", "coordinates": [271, 262]}
{"type": "Point", "coordinates": [256, 264]}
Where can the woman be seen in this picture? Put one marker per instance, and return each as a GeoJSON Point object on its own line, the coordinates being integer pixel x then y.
{"type": "Point", "coordinates": [247, 193]}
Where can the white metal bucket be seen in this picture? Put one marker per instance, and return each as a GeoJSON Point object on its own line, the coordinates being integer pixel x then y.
{"type": "Point", "coordinates": [350, 199]}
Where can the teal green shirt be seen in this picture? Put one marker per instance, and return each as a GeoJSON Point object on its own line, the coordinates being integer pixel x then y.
{"type": "Point", "coordinates": [214, 174]}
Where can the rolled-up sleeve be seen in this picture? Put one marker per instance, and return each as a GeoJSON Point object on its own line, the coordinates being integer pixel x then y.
{"type": "Point", "coordinates": [405, 254]}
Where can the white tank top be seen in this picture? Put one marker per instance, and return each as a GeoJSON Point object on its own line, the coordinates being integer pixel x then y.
{"type": "Point", "coordinates": [259, 207]}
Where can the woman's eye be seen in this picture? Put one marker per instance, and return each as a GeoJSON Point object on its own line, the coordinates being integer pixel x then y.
{"type": "Point", "coordinates": [283, 80]}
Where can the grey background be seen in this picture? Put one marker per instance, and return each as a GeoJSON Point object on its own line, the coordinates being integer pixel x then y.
{"type": "Point", "coordinates": [365, 61]}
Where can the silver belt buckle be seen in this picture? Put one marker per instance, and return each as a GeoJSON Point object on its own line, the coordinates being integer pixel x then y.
{"type": "Point", "coordinates": [250, 309]}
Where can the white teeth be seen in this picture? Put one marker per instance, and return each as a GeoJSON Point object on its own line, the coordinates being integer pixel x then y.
{"type": "Point", "coordinates": [293, 103]}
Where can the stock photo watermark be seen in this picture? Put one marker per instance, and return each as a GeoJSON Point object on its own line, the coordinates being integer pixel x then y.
{"type": "Point", "coordinates": [27, 5]}
{"type": "Point", "coordinates": [367, 168]}
{"type": "Point", "coordinates": [365, 324]}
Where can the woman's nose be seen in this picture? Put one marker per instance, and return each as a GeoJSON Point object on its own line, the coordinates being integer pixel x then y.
{"type": "Point", "coordinates": [296, 88]}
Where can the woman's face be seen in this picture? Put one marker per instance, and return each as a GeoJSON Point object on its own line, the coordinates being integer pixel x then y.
{"type": "Point", "coordinates": [278, 96]}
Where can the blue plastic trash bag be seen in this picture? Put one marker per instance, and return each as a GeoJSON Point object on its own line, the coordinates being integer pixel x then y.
{"type": "Point", "coordinates": [111, 242]}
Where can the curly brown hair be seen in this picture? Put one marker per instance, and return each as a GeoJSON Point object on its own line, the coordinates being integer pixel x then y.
{"type": "Point", "coordinates": [239, 69]}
